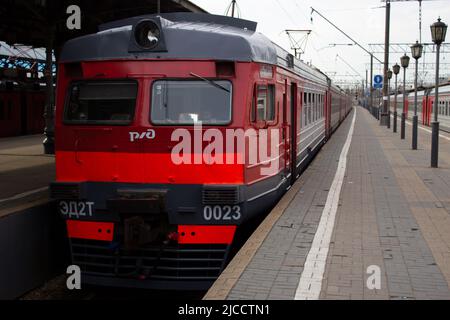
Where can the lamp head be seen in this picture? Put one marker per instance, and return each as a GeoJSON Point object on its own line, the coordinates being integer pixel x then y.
{"type": "Point", "coordinates": [396, 69]}
{"type": "Point", "coordinates": [416, 50]}
{"type": "Point", "coordinates": [438, 31]}
{"type": "Point", "coordinates": [404, 61]}
{"type": "Point", "coordinates": [389, 74]}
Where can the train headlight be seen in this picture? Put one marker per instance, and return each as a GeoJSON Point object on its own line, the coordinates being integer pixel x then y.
{"type": "Point", "coordinates": [147, 34]}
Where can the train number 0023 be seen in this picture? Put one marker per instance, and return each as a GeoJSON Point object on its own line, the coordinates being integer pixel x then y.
{"type": "Point", "coordinates": [222, 213]}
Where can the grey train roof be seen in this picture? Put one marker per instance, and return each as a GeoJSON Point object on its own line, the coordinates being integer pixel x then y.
{"type": "Point", "coordinates": [187, 36]}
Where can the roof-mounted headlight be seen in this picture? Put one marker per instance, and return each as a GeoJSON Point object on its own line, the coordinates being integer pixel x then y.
{"type": "Point", "coordinates": [147, 34]}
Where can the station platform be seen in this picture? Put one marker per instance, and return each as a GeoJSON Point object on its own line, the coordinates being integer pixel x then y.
{"type": "Point", "coordinates": [25, 172]}
{"type": "Point", "coordinates": [368, 219]}
{"type": "Point", "coordinates": [28, 222]}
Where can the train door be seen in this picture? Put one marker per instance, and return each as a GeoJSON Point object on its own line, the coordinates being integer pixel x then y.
{"type": "Point", "coordinates": [293, 131]}
{"type": "Point", "coordinates": [327, 113]}
{"type": "Point", "coordinates": [289, 129]}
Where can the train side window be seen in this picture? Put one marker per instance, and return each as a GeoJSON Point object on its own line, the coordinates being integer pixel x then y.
{"type": "Point", "coordinates": [320, 106]}
{"type": "Point", "coordinates": [261, 102]}
{"type": "Point", "coordinates": [317, 106]}
{"type": "Point", "coordinates": [446, 108]}
{"type": "Point", "coordinates": [314, 107]}
{"type": "Point", "coordinates": [309, 107]}
{"type": "Point", "coordinates": [265, 103]}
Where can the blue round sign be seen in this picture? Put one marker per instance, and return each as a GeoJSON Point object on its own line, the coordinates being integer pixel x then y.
{"type": "Point", "coordinates": [378, 79]}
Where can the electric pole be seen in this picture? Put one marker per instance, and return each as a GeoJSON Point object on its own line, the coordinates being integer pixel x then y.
{"type": "Point", "coordinates": [384, 115]}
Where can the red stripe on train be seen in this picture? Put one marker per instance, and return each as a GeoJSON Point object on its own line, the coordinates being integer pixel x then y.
{"type": "Point", "coordinates": [141, 168]}
{"type": "Point", "coordinates": [102, 231]}
{"type": "Point", "coordinates": [206, 234]}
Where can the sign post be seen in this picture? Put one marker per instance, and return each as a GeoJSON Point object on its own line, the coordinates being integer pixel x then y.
{"type": "Point", "coordinates": [378, 84]}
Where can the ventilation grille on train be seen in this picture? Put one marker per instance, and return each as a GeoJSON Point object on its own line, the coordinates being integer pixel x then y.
{"type": "Point", "coordinates": [187, 262]}
{"type": "Point", "coordinates": [64, 191]}
{"type": "Point", "coordinates": [220, 195]}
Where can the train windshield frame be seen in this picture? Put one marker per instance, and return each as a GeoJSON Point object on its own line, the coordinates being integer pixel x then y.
{"type": "Point", "coordinates": [104, 102]}
{"type": "Point", "coordinates": [189, 102]}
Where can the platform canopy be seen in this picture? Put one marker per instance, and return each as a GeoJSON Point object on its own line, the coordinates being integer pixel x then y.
{"type": "Point", "coordinates": [36, 22]}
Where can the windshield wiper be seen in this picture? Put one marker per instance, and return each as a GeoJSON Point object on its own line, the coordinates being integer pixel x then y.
{"type": "Point", "coordinates": [210, 82]}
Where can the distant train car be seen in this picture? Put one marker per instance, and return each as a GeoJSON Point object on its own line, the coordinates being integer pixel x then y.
{"type": "Point", "coordinates": [139, 104]}
{"type": "Point", "coordinates": [425, 106]}
{"type": "Point", "coordinates": [21, 111]}
{"type": "Point", "coordinates": [10, 113]}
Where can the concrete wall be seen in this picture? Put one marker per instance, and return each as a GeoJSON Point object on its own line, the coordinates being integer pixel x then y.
{"type": "Point", "coordinates": [33, 249]}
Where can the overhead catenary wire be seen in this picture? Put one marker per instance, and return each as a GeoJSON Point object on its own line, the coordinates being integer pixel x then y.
{"type": "Point", "coordinates": [340, 30]}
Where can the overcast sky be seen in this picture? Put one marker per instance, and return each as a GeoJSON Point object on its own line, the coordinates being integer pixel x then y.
{"type": "Point", "coordinates": [362, 19]}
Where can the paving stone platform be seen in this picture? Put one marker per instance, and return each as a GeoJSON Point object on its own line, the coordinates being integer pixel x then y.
{"type": "Point", "coordinates": [23, 167]}
{"type": "Point", "coordinates": [393, 213]}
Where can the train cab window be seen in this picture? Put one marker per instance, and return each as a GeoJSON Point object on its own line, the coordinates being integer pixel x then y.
{"type": "Point", "coordinates": [265, 102]}
{"type": "Point", "coordinates": [187, 102]}
{"type": "Point", "coordinates": [101, 102]}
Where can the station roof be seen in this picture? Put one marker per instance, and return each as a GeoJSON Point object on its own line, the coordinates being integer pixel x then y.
{"type": "Point", "coordinates": [34, 22]}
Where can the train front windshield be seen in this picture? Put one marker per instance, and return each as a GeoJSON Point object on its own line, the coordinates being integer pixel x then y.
{"type": "Point", "coordinates": [101, 102]}
{"type": "Point", "coordinates": [183, 102]}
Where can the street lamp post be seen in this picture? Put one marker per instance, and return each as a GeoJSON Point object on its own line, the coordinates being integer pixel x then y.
{"type": "Point", "coordinates": [438, 31]}
{"type": "Point", "coordinates": [405, 63]}
{"type": "Point", "coordinates": [416, 51]}
{"type": "Point", "coordinates": [389, 76]}
{"type": "Point", "coordinates": [396, 69]}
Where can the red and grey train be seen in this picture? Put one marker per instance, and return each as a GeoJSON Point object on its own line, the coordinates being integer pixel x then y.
{"type": "Point", "coordinates": [134, 217]}
{"type": "Point", "coordinates": [425, 106]}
